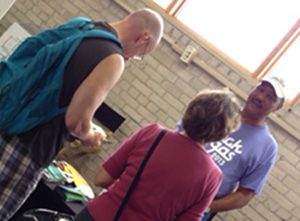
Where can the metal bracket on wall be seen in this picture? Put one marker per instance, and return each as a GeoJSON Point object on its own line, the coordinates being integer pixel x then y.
{"type": "Point", "coordinates": [188, 54]}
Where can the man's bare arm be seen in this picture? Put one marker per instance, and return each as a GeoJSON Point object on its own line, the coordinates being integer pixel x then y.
{"type": "Point", "coordinates": [103, 178]}
{"type": "Point", "coordinates": [231, 201]}
{"type": "Point", "coordinates": [89, 96]}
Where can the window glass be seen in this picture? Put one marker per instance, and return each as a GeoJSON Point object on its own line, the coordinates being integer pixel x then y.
{"type": "Point", "coordinates": [246, 31]}
{"type": "Point", "coordinates": [163, 3]}
{"type": "Point", "coordinates": [287, 69]}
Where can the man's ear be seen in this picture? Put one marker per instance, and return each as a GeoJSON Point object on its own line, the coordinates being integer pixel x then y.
{"type": "Point", "coordinates": [280, 105]}
{"type": "Point", "coordinates": [146, 37]}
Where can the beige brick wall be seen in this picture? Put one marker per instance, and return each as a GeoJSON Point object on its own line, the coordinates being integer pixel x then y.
{"type": "Point", "coordinates": [157, 90]}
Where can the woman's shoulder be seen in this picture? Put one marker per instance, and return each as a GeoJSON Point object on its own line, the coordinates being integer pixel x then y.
{"type": "Point", "coordinates": [152, 127]}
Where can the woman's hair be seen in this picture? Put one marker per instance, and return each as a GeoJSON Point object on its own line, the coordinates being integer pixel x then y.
{"type": "Point", "coordinates": [211, 115]}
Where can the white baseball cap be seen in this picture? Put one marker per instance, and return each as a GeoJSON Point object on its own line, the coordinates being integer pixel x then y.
{"type": "Point", "coordinates": [277, 86]}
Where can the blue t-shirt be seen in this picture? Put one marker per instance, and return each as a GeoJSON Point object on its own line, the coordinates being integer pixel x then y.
{"type": "Point", "coordinates": [246, 157]}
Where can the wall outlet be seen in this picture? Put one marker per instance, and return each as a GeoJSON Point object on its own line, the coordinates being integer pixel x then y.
{"type": "Point", "coordinates": [188, 54]}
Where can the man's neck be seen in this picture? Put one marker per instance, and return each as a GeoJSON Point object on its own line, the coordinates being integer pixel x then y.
{"type": "Point", "coordinates": [251, 121]}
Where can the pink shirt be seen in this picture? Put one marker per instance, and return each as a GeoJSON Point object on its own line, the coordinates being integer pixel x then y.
{"type": "Point", "coordinates": [178, 183]}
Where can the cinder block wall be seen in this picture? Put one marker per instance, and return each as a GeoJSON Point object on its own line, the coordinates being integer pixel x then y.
{"type": "Point", "coordinates": [158, 89]}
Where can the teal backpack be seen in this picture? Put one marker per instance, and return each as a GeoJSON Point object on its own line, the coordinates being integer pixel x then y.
{"type": "Point", "coordinates": [31, 78]}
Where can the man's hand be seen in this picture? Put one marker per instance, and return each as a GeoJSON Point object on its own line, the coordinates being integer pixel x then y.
{"type": "Point", "coordinates": [232, 201]}
{"type": "Point", "coordinates": [94, 138]}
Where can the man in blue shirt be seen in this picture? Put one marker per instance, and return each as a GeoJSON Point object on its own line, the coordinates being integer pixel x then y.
{"type": "Point", "coordinates": [247, 155]}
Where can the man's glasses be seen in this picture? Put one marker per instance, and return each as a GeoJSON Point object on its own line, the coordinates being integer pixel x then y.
{"type": "Point", "coordinates": [141, 57]}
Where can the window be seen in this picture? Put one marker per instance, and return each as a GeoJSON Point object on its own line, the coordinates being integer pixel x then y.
{"type": "Point", "coordinates": [287, 69]}
{"type": "Point", "coordinates": [262, 37]}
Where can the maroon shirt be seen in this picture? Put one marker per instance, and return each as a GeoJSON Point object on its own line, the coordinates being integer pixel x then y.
{"type": "Point", "coordinates": [178, 183]}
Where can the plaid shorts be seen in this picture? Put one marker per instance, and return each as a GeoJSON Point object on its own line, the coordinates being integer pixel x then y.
{"type": "Point", "coordinates": [19, 175]}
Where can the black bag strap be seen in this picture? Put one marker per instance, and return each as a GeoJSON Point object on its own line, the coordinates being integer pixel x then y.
{"type": "Point", "coordinates": [139, 172]}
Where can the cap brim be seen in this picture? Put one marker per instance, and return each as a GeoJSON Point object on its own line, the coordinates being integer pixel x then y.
{"type": "Point", "coordinates": [276, 86]}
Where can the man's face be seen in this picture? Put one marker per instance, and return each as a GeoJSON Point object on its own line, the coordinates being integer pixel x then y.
{"type": "Point", "coordinates": [262, 101]}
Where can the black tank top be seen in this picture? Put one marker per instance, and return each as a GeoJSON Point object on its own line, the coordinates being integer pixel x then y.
{"type": "Point", "coordinates": [88, 54]}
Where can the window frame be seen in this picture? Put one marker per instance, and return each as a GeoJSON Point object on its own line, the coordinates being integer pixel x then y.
{"type": "Point", "coordinates": [266, 65]}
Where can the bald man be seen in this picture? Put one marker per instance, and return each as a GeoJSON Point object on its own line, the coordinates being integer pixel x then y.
{"type": "Point", "coordinates": [139, 34]}
{"type": "Point", "coordinates": [85, 66]}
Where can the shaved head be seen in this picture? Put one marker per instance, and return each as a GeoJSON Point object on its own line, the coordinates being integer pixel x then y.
{"type": "Point", "coordinates": [141, 29]}
{"type": "Point", "coordinates": [147, 21]}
